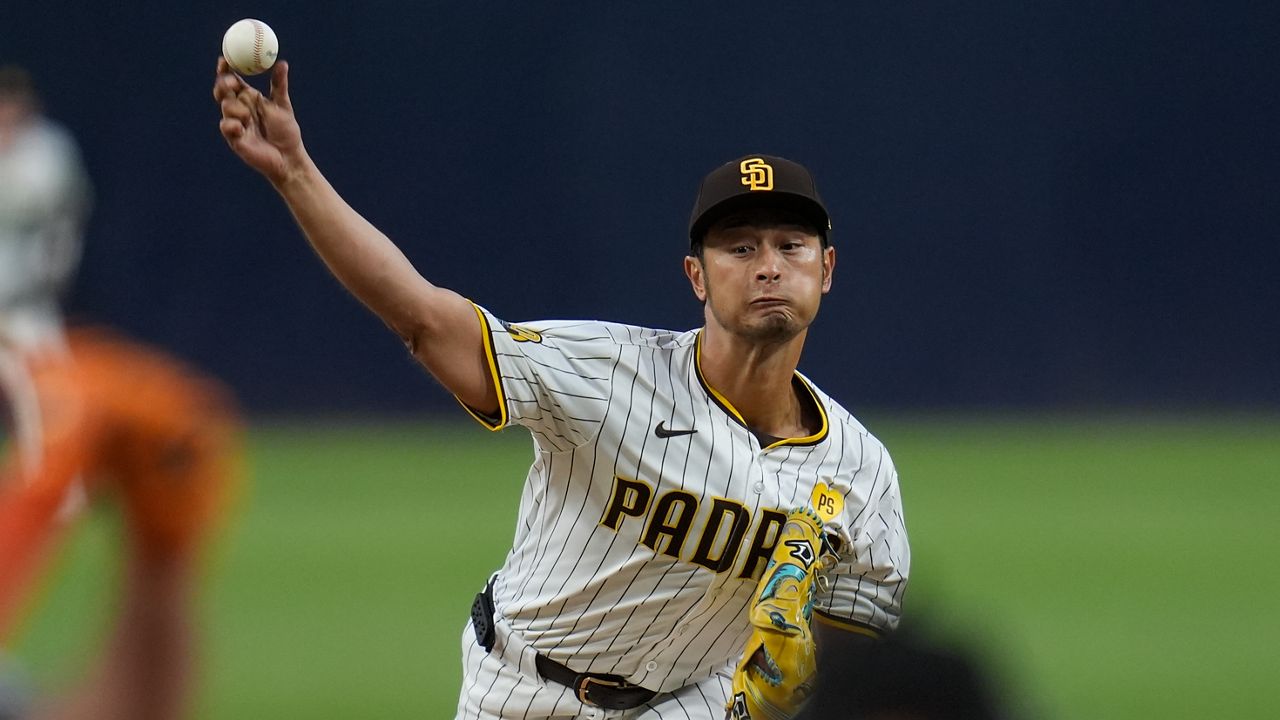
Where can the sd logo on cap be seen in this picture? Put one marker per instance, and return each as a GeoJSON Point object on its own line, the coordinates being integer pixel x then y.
{"type": "Point", "coordinates": [755, 181]}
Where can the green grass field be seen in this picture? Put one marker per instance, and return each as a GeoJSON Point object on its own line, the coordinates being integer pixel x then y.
{"type": "Point", "coordinates": [1104, 567]}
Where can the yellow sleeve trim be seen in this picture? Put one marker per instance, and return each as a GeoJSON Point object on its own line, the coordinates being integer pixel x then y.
{"type": "Point", "coordinates": [852, 626]}
{"type": "Point", "coordinates": [491, 358]}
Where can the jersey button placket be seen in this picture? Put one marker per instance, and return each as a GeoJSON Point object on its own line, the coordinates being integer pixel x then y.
{"type": "Point", "coordinates": [766, 484]}
{"type": "Point", "coordinates": [757, 462]}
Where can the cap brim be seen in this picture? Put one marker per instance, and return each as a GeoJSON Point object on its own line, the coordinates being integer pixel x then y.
{"type": "Point", "coordinates": [813, 213]}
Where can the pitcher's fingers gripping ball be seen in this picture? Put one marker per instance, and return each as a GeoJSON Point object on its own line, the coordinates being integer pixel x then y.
{"type": "Point", "coordinates": [776, 674]}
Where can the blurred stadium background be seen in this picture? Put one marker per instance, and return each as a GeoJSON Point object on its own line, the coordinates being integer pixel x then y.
{"type": "Point", "coordinates": [1056, 302]}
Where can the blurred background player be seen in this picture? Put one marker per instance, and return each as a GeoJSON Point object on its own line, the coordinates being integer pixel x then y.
{"type": "Point", "coordinates": [44, 203]}
{"type": "Point", "coordinates": [94, 413]}
{"type": "Point", "coordinates": [158, 439]}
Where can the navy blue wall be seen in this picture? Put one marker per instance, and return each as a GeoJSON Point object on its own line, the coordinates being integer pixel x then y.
{"type": "Point", "coordinates": [1062, 203]}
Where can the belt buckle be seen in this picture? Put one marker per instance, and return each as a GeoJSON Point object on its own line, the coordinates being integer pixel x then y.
{"type": "Point", "coordinates": [585, 684]}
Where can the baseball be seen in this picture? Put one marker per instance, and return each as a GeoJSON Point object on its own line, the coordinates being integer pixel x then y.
{"type": "Point", "coordinates": [250, 46]}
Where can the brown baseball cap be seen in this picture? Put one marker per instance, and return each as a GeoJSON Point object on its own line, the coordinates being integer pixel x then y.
{"type": "Point", "coordinates": [757, 181]}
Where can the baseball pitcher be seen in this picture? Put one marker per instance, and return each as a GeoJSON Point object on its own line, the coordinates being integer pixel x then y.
{"type": "Point", "coordinates": [658, 569]}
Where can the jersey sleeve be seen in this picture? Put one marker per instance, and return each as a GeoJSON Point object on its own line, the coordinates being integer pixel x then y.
{"type": "Point", "coordinates": [867, 584]}
{"type": "Point", "coordinates": [552, 378]}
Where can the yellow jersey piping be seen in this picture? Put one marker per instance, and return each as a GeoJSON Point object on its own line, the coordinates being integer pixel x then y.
{"type": "Point", "coordinates": [852, 626]}
{"type": "Point", "coordinates": [492, 359]}
{"type": "Point", "coordinates": [728, 407]}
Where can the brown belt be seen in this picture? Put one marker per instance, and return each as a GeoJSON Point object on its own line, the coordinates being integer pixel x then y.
{"type": "Point", "coordinates": [610, 692]}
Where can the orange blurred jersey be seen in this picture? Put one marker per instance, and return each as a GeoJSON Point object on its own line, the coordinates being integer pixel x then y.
{"type": "Point", "coordinates": [124, 420]}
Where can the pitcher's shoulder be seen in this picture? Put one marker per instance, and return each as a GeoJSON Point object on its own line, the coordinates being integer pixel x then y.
{"type": "Point", "coordinates": [848, 430]}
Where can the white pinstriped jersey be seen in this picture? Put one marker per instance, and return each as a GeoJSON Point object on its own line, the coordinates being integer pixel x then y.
{"type": "Point", "coordinates": [650, 509]}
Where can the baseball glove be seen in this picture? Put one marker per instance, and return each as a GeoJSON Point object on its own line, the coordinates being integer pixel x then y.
{"type": "Point", "coordinates": [179, 490]}
{"type": "Point", "coordinates": [165, 441]}
{"type": "Point", "coordinates": [776, 674]}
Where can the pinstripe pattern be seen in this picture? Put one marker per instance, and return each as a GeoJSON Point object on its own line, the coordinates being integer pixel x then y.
{"type": "Point", "coordinates": [505, 684]}
{"type": "Point", "coordinates": [619, 564]}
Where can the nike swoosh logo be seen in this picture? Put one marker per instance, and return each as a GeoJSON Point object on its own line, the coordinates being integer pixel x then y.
{"type": "Point", "coordinates": [662, 432]}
